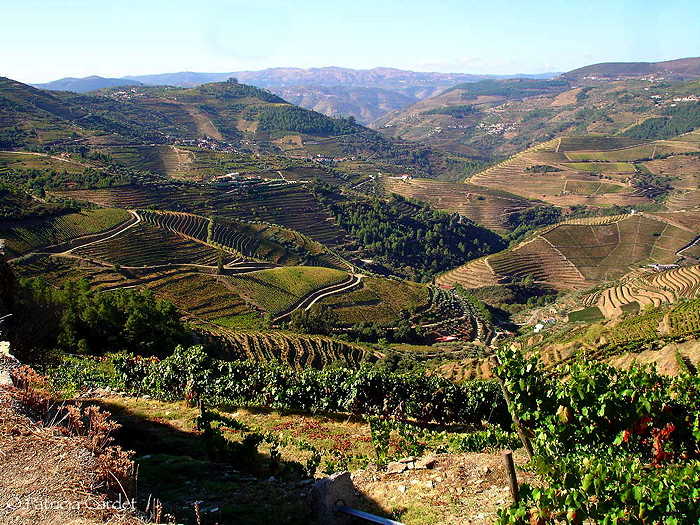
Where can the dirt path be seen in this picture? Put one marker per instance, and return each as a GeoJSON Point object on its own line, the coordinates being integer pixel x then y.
{"type": "Point", "coordinates": [459, 489]}
{"type": "Point", "coordinates": [204, 124]}
{"type": "Point", "coordinates": [54, 157]}
{"type": "Point", "coordinates": [311, 299]}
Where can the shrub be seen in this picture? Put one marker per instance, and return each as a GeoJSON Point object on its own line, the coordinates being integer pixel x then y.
{"type": "Point", "coordinates": [365, 391]}
{"type": "Point", "coordinates": [614, 446]}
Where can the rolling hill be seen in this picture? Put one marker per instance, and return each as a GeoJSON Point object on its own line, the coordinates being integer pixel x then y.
{"type": "Point", "coordinates": [153, 124]}
{"type": "Point", "coordinates": [502, 117]}
{"type": "Point", "coordinates": [679, 69]}
{"type": "Point", "coordinates": [335, 91]}
{"type": "Point", "coordinates": [83, 85]}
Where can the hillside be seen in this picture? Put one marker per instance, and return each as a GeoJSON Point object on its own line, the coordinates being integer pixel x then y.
{"type": "Point", "coordinates": [680, 69]}
{"type": "Point", "coordinates": [578, 254]}
{"type": "Point", "coordinates": [83, 85]}
{"type": "Point", "coordinates": [502, 117]}
{"type": "Point", "coordinates": [576, 176]}
{"type": "Point", "coordinates": [365, 104]}
{"type": "Point", "coordinates": [168, 129]}
{"type": "Point", "coordinates": [601, 170]}
{"type": "Point", "coordinates": [335, 91]}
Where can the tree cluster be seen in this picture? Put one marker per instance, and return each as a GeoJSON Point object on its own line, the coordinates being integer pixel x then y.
{"type": "Point", "coordinates": [292, 118]}
{"type": "Point", "coordinates": [407, 234]}
{"type": "Point", "coordinates": [75, 319]}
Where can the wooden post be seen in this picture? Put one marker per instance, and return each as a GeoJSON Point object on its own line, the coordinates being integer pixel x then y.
{"type": "Point", "coordinates": [510, 469]}
{"type": "Point", "coordinates": [516, 420]}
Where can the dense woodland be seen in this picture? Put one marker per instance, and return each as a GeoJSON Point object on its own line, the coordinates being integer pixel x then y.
{"type": "Point", "coordinates": [292, 118]}
{"type": "Point", "coordinates": [409, 236]}
{"type": "Point", "coordinates": [48, 321]}
{"type": "Point", "coordinates": [676, 120]}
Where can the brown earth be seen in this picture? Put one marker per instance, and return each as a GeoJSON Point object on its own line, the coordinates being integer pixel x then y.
{"type": "Point", "coordinates": [47, 477]}
{"type": "Point", "coordinates": [459, 489]}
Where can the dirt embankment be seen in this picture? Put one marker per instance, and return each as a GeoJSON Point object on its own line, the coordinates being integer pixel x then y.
{"type": "Point", "coordinates": [49, 473]}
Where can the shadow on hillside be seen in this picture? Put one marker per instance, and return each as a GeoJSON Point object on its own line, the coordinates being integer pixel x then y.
{"type": "Point", "coordinates": [350, 418]}
{"type": "Point", "coordinates": [175, 467]}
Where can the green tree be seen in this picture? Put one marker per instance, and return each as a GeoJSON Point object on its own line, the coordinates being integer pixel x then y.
{"type": "Point", "coordinates": [316, 320]}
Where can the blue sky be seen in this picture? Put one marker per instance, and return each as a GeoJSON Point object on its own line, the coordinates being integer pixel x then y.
{"type": "Point", "coordinates": [43, 40]}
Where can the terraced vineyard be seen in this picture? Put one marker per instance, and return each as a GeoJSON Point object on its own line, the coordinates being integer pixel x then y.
{"type": "Point", "coordinates": [201, 296]}
{"type": "Point", "coordinates": [684, 318]}
{"type": "Point", "coordinates": [166, 196]}
{"type": "Point", "coordinates": [289, 205]}
{"type": "Point", "coordinates": [648, 289]}
{"type": "Point", "coordinates": [450, 315]}
{"type": "Point", "coordinates": [279, 289]}
{"type": "Point", "coordinates": [25, 236]}
{"type": "Point", "coordinates": [487, 207]}
{"type": "Point", "coordinates": [252, 240]}
{"type": "Point", "coordinates": [377, 300]}
{"type": "Point", "coordinates": [629, 154]}
{"type": "Point", "coordinates": [185, 224]}
{"type": "Point", "coordinates": [563, 183]}
{"type": "Point", "coordinates": [465, 370]}
{"type": "Point", "coordinates": [595, 171]}
{"type": "Point", "coordinates": [577, 254]}
{"type": "Point", "coordinates": [148, 245]}
{"type": "Point", "coordinates": [679, 320]}
{"type": "Point", "coordinates": [597, 142]}
{"type": "Point", "coordinates": [58, 270]}
{"type": "Point", "coordinates": [296, 350]}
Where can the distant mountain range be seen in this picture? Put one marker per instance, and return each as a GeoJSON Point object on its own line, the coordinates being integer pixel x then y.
{"type": "Point", "coordinates": [84, 85]}
{"type": "Point", "coordinates": [370, 95]}
{"type": "Point", "coordinates": [408, 82]}
{"type": "Point", "coordinates": [335, 91]}
{"type": "Point", "coordinates": [680, 69]}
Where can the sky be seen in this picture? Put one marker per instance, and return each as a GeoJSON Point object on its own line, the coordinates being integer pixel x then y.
{"type": "Point", "coordinates": [43, 40]}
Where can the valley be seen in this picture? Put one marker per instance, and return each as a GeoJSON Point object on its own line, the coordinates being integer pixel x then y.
{"type": "Point", "coordinates": [264, 295]}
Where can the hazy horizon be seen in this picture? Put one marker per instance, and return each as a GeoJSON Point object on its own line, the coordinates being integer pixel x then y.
{"type": "Point", "coordinates": [53, 39]}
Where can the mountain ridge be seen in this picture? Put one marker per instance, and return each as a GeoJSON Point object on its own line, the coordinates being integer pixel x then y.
{"type": "Point", "coordinates": [365, 94]}
{"type": "Point", "coordinates": [677, 69]}
{"type": "Point", "coordinates": [86, 84]}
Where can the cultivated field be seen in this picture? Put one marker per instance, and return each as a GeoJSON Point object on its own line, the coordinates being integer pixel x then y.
{"type": "Point", "coordinates": [300, 351]}
{"type": "Point", "coordinates": [484, 206]}
{"type": "Point", "coordinates": [563, 183]}
{"type": "Point", "coordinates": [148, 245]}
{"type": "Point", "coordinates": [596, 171]}
{"type": "Point", "coordinates": [578, 254]}
{"type": "Point", "coordinates": [251, 240]}
{"type": "Point", "coordinates": [30, 235]}
{"type": "Point", "coordinates": [377, 300]}
{"type": "Point", "coordinates": [288, 205]}
{"type": "Point", "coordinates": [650, 288]}
{"type": "Point", "coordinates": [279, 289]}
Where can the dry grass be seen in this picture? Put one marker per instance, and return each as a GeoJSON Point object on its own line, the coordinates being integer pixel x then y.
{"type": "Point", "coordinates": [57, 462]}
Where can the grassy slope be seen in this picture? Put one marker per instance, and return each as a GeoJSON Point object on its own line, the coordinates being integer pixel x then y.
{"type": "Point", "coordinates": [378, 300]}
{"type": "Point", "coordinates": [278, 289]}
{"type": "Point", "coordinates": [25, 236]}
